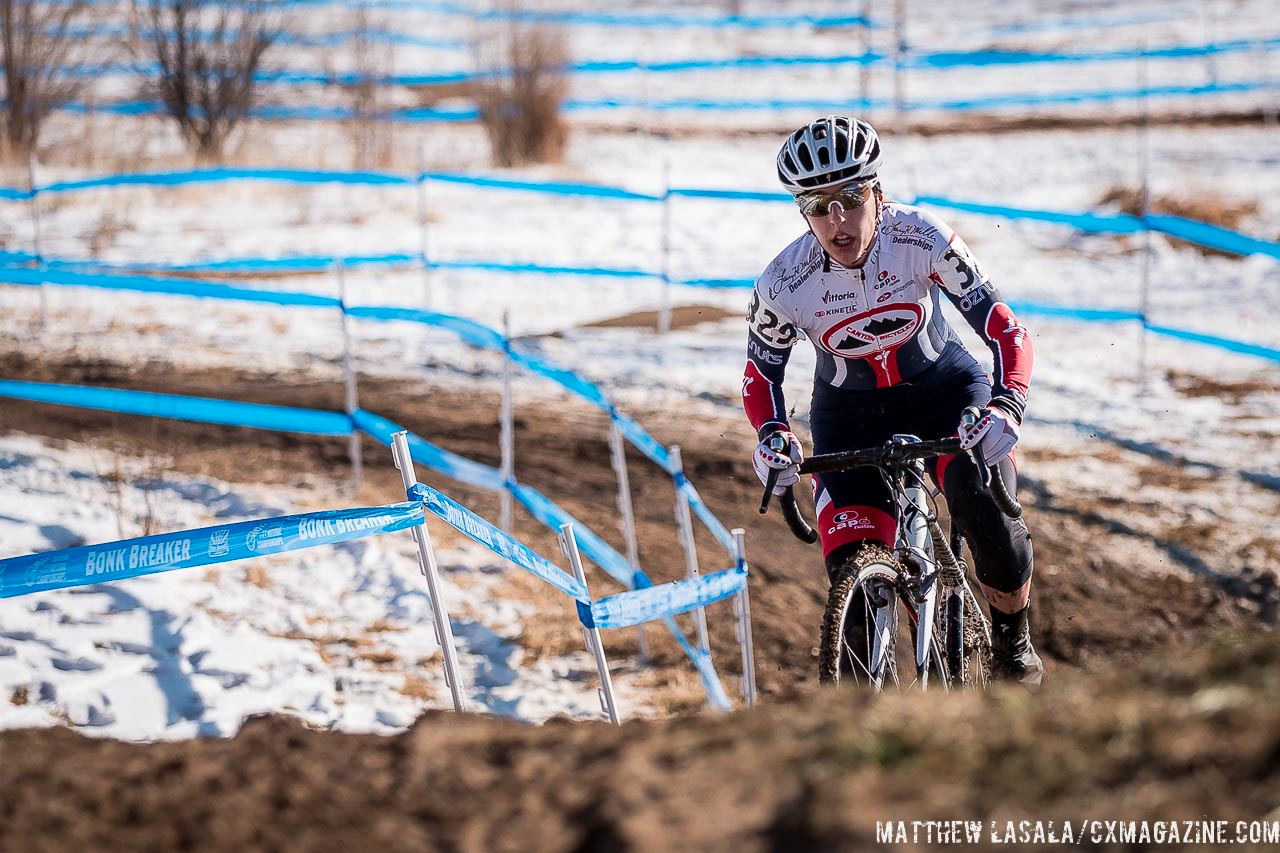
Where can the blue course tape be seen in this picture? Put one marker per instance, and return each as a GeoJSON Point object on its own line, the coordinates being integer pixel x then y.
{"type": "Point", "coordinates": [497, 266]}
{"type": "Point", "coordinates": [641, 440]}
{"type": "Point", "coordinates": [555, 187]}
{"type": "Point", "coordinates": [148, 555]}
{"type": "Point", "coordinates": [466, 521]}
{"type": "Point", "coordinates": [146, 403]}
{"type": "Point", "coordinates": [200, 176]}
{"type": "Point", "coordinates": [669, 599]}
{"type": "Point", "coordinates": [178, 287]}
{"type": "Point", "coordinates": [450, 464]}
{"type": "Point", "coordinates": [1222, 343]}
{"type": "Point", "coordinates": [591, 545]}
{"type": "Point", "coordinates": [1210, 235]}
{"type": "Point", "coordinates": [296, 263]}
{"type": "Point", "coordinates": [468, 330]}
{"type": "Point", "coordinates": [1093, 223]}
{"type": "Point", "coordinates": [704, 512]}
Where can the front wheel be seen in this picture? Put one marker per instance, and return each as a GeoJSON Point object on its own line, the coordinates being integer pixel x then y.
{"type": "Point", "coordinates": [869, 628]}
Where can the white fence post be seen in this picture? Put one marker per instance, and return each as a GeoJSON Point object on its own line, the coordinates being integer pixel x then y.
{"type": "Point", "coordinates": [742, 608]}
{"type": "Point", "coordinates": [1144, 161]}
{"type": "Point", "coordinates": [427, 558]}
{"type": "Point", "coordinates": [506, 426]}
{"type": "Point", "coordinates": [664, 313]}
{"type": "Point", "coordinates": [618, 455]}
{"type": "Point", "coordinates": [899, 67]}
{"type": "Point", "coordinates": [422, 226]}
{"type": "Point", "coordinates": [352, 395]}
{"type": "Point", "coordinates": [684, 522]}
{"type": "Point", "coordinates": [33, 205]}
{"type": "Point", "coordinates": [569, 545]}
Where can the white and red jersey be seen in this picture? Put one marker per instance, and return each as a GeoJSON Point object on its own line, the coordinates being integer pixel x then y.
{"type": "Point", "coordinates": [882, 324]}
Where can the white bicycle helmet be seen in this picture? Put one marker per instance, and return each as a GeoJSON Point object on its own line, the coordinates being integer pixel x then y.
{"type": "Point", "coordinates": [829, 151]}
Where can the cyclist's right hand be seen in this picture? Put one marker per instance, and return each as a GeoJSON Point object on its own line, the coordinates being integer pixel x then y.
{"type": "Point", "coordinates": [778, 455]}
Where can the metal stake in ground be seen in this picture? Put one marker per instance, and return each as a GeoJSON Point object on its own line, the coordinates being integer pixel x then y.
{"type": "Point", "coordinates": [427, 558]}
{"type": "Point", "coordinates": [569, 545]}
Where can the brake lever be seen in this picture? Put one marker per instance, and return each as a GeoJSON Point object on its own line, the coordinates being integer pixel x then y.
{"type": "Point", "coordinates": [770, 482]}
{"type": "Point", "coordinates": [968, 418]}
{"type": "Point", "coordinates": [782, 447]}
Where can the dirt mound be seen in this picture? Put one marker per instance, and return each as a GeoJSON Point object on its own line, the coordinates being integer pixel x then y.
{"type": "Point", "coordinates": [1180, 739]}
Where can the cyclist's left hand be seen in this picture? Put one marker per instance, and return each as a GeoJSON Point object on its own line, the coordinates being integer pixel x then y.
{"type": "Point", "coordinates": [995, 432]}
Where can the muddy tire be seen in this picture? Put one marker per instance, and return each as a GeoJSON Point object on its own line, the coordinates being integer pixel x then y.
{"type": "Point", "coordinates": [864, 595]}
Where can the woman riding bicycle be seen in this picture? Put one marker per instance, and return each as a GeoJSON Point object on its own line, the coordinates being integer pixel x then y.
{"type": "Point", "coordinates": [863, 285]}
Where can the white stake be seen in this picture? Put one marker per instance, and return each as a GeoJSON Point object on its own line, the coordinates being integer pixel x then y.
{"type": "Point", "coordinates": [569, 545]}
{"type": "Point", "coordinates": [684, 523]}
{"type": "Point", "coordinates": [423, 215]}
{"type": "Point", "coordinates": [352, 395]}
{"type": "Point", "coordinates": [430, 570]}
{"type": "Point", "coordinates": [742, 606]}
{"type": "Point", "coordinates": [506, 426]}
{"type": "Point", "coordinates": [618, 455]}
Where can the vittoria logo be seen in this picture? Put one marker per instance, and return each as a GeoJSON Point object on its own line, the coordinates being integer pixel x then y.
{"type": "Point", "coordinates": [830, 297]}
{"type": "Point", "coordinates": [872, 331]}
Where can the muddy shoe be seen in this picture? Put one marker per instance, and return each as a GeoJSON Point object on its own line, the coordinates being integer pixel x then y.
{"type": "Point", "coordinates": [1012, 656]}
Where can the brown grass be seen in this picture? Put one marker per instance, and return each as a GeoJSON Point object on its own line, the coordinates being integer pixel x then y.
{"type": "Point", "coordinates": [1195, 385]}
{"type": "Point", "coordinates": [257, 575]}
{"type": "Point", "coordinates": [519, 98]}
{"type": "Point", "coordinates": [417, 689]}
{"type": "Point", "coordinates": [1197, 206]}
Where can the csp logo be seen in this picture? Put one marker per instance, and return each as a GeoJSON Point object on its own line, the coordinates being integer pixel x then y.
{"type": "Point", "coordinates": [849, 520]}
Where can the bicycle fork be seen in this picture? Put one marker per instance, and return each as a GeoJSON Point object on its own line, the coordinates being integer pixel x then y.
{"type": "Point", "coordinates": [917, 548]}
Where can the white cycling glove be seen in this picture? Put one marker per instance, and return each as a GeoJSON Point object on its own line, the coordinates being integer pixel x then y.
{"type": "Point", "coordinates": [786, 463]}
{"type": "Point", "coordinates": [994, 432]}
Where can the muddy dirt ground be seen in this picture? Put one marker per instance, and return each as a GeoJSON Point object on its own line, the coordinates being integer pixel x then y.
{"type": "Point", "coordinates": [1160, 703]}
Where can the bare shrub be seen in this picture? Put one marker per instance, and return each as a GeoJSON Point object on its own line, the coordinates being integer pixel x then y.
{"type": "Point", "coordinates": [522, 83]}
{"type": "Point", "coordinates": [371, 133]}
{"type": "Point", "coordinates": [1198, 206]}
{"type": "Point", "coordinates": [45, 52]}
{"type": "Point", "coordinates": [209, 58]}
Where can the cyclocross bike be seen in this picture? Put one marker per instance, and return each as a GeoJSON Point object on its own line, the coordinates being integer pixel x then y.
{"type": "Point", "coordinates": [945, 637]}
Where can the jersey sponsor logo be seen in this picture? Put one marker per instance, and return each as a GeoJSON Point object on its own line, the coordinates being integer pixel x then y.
{"type": "Point", "coordinates": [872, 331]}
{"type": "Point", "coordinates": [781, 278]}
{"type": "Point", "coordinates": [918, 242]}
{"type": "Point", "coordinates": [886, 279]}
{"type": "Point", "coordinates": [759, 353]}
{"type": "Point", "coordinates": [831, 312]}
{"type": "Point", "coordinates": [829, 297]}
{"type": "Point", "coordinates": [903, 228]}
{"type": "Point", "coordinates": [850, 520]}
{"type": "Point", "coordinates": [975, 295]}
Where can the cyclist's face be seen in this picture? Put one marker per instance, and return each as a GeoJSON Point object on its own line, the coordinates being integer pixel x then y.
{"type": "Point", "coordinates": [848, 228]}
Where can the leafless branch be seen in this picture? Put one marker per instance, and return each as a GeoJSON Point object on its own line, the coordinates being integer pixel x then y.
{"type": "Point", "coordinates": [209, 58]}
{"type": "Point", "coordinates": [45, 47]}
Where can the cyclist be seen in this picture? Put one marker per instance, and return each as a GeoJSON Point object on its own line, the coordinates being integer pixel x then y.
{"type": "Point", "coordinates": [862, 284]}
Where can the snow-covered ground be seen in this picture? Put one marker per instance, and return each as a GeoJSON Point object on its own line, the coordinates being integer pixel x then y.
{"type": "Point", "coordinates": [339, 636]}
{"type": "Point", "coordinates": [192, 652]}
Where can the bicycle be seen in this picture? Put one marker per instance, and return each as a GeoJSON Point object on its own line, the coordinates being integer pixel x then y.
{"type": "Point", "coordinates": [924, 577]}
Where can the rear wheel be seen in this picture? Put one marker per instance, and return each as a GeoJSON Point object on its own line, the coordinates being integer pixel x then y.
{"type": "Point", "coordinates": [869, 628]}
{"type": "Point", "coordinates": [967, 641]}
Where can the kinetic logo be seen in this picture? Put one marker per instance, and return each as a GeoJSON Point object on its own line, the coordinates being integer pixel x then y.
{"type": "Point", "coordinates": [879, 329]}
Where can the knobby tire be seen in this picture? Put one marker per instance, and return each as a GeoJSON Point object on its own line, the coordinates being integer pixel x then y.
{"type": "Point", "coordinates": [846, 605]}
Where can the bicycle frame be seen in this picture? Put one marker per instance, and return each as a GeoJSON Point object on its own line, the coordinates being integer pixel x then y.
{"type": "Point", "coordinates": [925, 559]}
